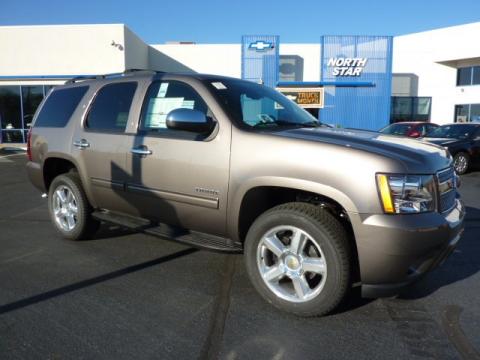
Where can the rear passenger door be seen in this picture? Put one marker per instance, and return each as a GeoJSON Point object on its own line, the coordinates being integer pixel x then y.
{"type": "Point", "coordinates": [99, 144]}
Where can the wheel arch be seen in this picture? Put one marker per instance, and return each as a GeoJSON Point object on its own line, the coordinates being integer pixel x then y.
{"type": "Point", "coordinates": [56, 164]}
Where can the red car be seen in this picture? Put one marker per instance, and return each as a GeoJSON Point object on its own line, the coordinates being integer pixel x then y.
{"type": "Point", "coordinates": [411, 129]}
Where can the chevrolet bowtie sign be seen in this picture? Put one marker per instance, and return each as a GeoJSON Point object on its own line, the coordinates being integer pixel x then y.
{"type": "Point", "coordinates": [347, 66]}
{"type": "Point", "coordinates": [261, 45]}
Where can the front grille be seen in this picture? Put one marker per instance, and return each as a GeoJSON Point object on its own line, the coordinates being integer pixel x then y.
{"type": "Point", "coordinates": [448, 191]}
{"type": "Point", "coordinates": [445, 175]}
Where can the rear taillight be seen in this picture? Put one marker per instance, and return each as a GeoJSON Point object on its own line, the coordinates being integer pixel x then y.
{"type": "Point", "coordinates": [29, 145]}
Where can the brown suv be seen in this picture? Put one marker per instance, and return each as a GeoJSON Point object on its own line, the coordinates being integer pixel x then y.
{"type": "Point", "coordinates": [232, 165]}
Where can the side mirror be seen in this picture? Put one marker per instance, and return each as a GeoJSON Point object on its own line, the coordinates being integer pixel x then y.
{"type": "Point", "coordinates": [188, 120]}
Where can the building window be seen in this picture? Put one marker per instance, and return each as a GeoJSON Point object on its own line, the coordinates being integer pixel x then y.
{"type": "Point", "coordinates": [468, 76]}
{"type": "Point", "coordinates": [17, 107]}
{"type": "Point", "coordinates": [467, 113]}
{"type": "Point", "coordinates": [410, 108]}
{"type": "Point", "coordinates": [291, 68]}
{"type": "Point", "coordinates": [11, 114]}
{"type": "Point", "coordinates": [32, 96]}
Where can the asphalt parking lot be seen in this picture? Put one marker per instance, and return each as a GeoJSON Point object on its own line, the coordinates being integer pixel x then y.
{"type": "Point", "coordinates": [125, 295]}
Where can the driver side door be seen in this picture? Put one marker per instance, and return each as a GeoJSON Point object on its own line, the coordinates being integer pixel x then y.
{"type": "Point", "coordinates": [182, 177]}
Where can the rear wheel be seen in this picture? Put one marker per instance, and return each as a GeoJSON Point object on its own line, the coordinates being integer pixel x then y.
{"type": "Point", "coordinates": [69, 208]}
{"type": "Point", "coordinates": [461, 162]}
{"type": "Point", "coordinates": [297, 256]}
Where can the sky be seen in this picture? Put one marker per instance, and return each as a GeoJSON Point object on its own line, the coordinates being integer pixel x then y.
{"type": "Point", "coordinates": [226, 21]}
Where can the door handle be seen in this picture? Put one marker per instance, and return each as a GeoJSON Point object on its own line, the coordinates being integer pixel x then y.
{"type": "Point", "coordinates": [81, 144]}
{"type": "Point", "coordinates": [141, 150]}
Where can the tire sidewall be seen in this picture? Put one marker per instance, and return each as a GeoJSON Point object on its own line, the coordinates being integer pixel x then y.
{"type": "Point", "coordinates": [67, 181]}
{"type": "Point", "coordinates": [327, 299]}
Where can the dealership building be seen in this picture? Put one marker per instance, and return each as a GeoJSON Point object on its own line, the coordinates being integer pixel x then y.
{"type": "Point", "coordinates": [350, 81]}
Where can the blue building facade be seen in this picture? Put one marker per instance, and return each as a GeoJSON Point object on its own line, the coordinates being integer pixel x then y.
{"type": "Point", "coordinates": [356, 75]}
{"type": "Point", "coordinates": [260, 58]}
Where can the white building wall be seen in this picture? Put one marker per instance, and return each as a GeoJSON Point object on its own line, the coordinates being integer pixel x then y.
{"type": "Point", "coordinates": [218, 59]}
{"type": "Point", "coordinates": [433, 56]}
{"type": "Point", "coordinates": [311, 58]}
{"type": "Point", "coordinates": [60, 50]}
{"type": "Point", "coordinates": [226, 59]}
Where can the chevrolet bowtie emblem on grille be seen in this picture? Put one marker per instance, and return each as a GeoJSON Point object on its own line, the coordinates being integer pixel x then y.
{"type": "Point", "coordinates": [261, 45]}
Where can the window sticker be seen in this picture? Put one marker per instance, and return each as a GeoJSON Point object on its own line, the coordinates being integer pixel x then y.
{"type": "Point", "coordinates": [158, 109]}
{"type": "Point", "coordinates": [188, 104]}
{"type": "Point", "coordinates": [162, 91]}
{"type": "Point", "coordinates": [278, 106]}
{"type": "Point", "coordinates": [219, 85]}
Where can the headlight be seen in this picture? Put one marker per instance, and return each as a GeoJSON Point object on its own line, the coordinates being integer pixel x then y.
{"type": "Point", "coordinates": [406, 194]}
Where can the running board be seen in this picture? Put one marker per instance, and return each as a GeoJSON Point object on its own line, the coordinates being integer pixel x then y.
{"type": "Point", "coordinates": [168, 232]}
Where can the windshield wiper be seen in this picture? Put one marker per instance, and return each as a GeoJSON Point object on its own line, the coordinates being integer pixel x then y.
{"type": "Point", "coordinates": [311, 124]}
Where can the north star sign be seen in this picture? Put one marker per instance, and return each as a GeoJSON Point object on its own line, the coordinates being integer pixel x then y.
{"type": "Point", "coordinates": [261, 45]}
{"type": "Point", "coordinates": [347, 66]}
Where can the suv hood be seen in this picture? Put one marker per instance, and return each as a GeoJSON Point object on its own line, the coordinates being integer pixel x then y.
{"type": "Point", "coordinates": [442, 141]}
{"type": "Point", "coordinates": [416, 156]}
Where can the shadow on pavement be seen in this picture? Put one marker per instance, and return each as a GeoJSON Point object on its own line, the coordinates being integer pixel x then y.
{"type": "Point", "coordinates": [107, 231]}
{"type": "Point", "coordinates": [92, 281]}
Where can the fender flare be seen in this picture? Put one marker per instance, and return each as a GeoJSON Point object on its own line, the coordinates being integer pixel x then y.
{"type": "Point", "coordinates": [237, 197]}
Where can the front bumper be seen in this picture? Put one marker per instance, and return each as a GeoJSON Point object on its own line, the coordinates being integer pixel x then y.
{"type": "Point", "coordinates": [395, 250]}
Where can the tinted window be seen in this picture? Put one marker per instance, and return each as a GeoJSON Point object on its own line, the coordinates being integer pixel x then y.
{"type": "Point", "coordinates": [165, 96]}
{"type": "Point", "coordinates": [476, 75]}
{"type": "Point", "coordinates": [464, 76]}
{"type": "Point", "coordinates": [430, 128]}
{"type": "Point", "coordinates": [60, 106]}
{"type": "Point", "coordinates": [397, 129]}
{"type": "Point", "coordinates": [475, 112]}
{"type": "Point", "coordinates": [453, 131]}
{"type": "Point", "coordinates": [111, 107]}
{"type": "Point", "coordinates": [410, 108]}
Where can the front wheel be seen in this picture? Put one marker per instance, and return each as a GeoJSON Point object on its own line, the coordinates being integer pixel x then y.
{"type": "Point", "coordinates": [461, 162]}
{"type": "Point", "coordinates": [298, 258]}
{"type": "Point", "coordinates": [69, 208]}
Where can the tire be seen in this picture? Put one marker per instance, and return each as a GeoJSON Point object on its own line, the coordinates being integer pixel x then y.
{"type": "Point", "coordinates": [84, 225]}
{"type": "Point", "coordinates": [461, 162]}
{"type": "Point", "coordinates": [325, 289]}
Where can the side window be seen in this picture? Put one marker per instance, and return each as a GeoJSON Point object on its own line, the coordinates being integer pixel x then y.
{"type": "Point", "coordinates": [423, 130]}
{"type": "Point", "coordinates": [59, 106]}
{"type": "Point", "coordinates": [111, 106]}
{"type": "Point", "coordinates": [163, 97]}
{"type": "Point", "coordinates": [477, 135]}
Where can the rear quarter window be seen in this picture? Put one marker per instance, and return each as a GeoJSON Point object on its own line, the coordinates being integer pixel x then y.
{"type": "Point", "coordinates": [111, 107]}
{"type": "Point", "coordinates": [59, 107]}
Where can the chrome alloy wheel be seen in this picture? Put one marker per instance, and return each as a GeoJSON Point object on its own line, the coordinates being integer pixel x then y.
{"type": "Point", "coordinates": [291, 263]}
{"type": "Point", "coordinates": [460, 164]}
{"type": "Point", "coordinates": [65, 208]}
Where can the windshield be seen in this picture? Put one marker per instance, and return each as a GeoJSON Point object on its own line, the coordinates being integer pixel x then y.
{"type": "Point", "coordinates": [452, 132]}
{"type": "Point", "coordinates": [256, 106]}
{"type": "Point", "coordinates": [396, 129]}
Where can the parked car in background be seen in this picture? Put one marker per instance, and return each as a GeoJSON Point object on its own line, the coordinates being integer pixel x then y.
{"type": "Point", "coordinates": [413, 129]}
{"type": "Point", "coordinates": [462, 141]}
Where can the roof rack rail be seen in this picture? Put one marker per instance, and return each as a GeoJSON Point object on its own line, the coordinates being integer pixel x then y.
{"type": "Point", "coordinates": [105, 76]}
{"type": "Point", "coordinates": [80, 78]}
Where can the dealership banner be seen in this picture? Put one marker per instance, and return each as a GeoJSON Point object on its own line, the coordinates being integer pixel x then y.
{"type": "Point", "coordinates": [360, 71]}
{"type": "Point", "coordinates": [260, 58]}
